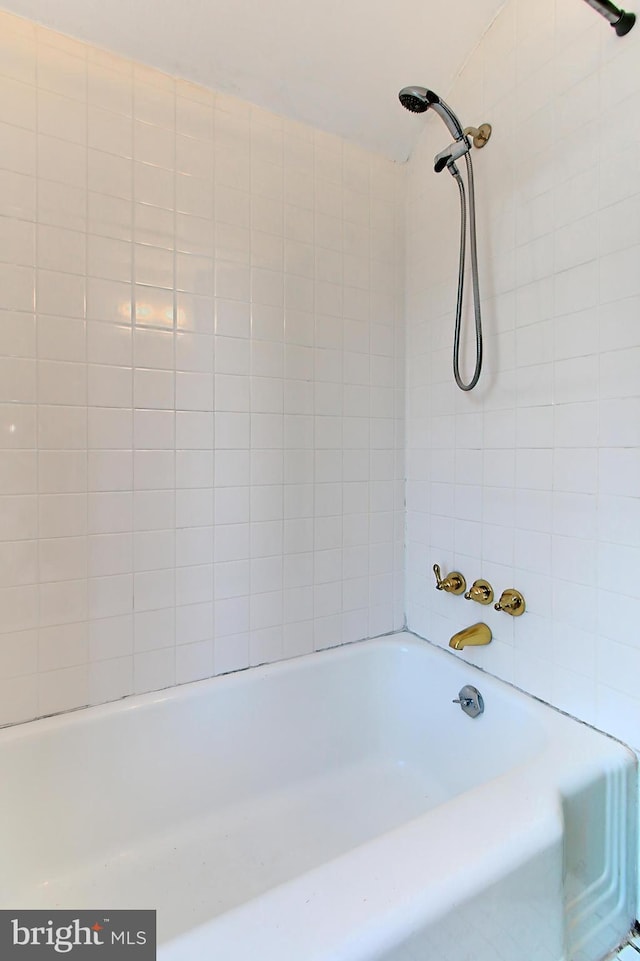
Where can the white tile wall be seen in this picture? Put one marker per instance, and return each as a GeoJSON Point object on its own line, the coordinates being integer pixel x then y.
{"type": "Point", "coordinates": [533, 479]}
{"type": "Point", "coordinates": [201, 381]}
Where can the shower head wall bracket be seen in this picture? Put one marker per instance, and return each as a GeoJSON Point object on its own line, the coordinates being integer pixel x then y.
{"type": "Point", "coordinates": [480, 135]}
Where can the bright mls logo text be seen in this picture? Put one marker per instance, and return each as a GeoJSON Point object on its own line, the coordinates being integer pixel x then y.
{"type": "Point", "coordinates": [36, 935]}
{"type": "Point", "coordinates": [67, 937]}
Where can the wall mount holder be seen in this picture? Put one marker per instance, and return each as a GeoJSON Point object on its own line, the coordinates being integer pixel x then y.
{"type": "Point", "coordinates": [480, 135]}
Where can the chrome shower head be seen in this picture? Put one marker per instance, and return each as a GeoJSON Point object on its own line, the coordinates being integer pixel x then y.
{"type": "Point", "coordinates": [419, 99]}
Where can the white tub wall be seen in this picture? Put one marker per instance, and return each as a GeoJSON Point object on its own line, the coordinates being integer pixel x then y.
{"type": "Point", "coordinates": [218, 484]}
{"type": "Point", "coordinates": [532, 480]}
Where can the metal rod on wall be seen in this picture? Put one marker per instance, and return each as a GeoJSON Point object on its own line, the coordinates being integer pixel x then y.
{"type": "Point", "coordinates": [621, 21]}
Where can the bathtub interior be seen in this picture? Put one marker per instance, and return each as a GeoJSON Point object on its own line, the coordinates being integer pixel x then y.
{"type": "Point", "coordinates": [199, 800]}
{"type": "Point", "coordinates": [281, 769]}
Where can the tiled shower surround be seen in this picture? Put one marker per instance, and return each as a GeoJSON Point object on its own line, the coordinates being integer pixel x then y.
{"type": "Point", "coordinates": [202, 365]}
{"type": "Point", "coordinates": [201, 368]}
{"type": "Point", "coordinates": [532, 480]}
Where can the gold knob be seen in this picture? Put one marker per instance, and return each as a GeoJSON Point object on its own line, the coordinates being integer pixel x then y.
{"type": "Point", "coordinates": [480, 591]}
{"type": "Point", "coordinates": [511, 602]}
{"type": "Point", "coordinates": [454, 583]}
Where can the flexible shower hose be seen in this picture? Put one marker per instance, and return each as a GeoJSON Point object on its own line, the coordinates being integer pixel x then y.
{"type": "Point", "coordinates": [474, 275]}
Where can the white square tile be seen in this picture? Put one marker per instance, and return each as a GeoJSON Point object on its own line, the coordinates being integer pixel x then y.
{"type": "Point", "coordinates": [62, 161]}
{"type": "Point", "coordinates": [19, 380]}
{"type": "Point", "coordinates": [18, 148]}
{"type": "Point", "coordinates": [61, 383]}
{"type": "Point", "coordinates": [153, 266]}
{"type": "Point", "coordinates": [109, 131]}
{"type": "Point", "coordinates": [59, 472]}
{"type": "Point", "coordinates": [153, 590]}
{"type": "Point", "coordinates": [194, 430]}
{"type": "Point", "coordinates": [154, 550]}
{"type": "Point", "coordinates": [110, 554]}
{"type": "Point", "coordinates": [110, 174]}
{"type": "Point", "coordinates": [59, 338]}
{"type": "Point", "coordinates": [110, 386]}
{"type": "Point", "coordinates": [109, 301]}
{"type": "Point", "coordinates": [194, 117]}
{"type": "Point", "coordinates": [62, 428]}
{"type": "Point", "coordinates": [193, 508]}
{"type": "Point", "coordinates": [153, 670]}
{"type": "Point", "coordinates": [231, 653]}
{"type": "Point", "coordinates": [194, 661]}
{"type": "Point", "coordinates": [154, 389]}
{"type": "Point", "coordinates": [154, 470]}
{"type": "Point", "coordinates": [61, 558]}
{"type": "Point", "coordinates": [110, 470]}
{"type": "Point", "coordinates": [17, 334]}
{"type": "Point", "coordinates": [110, 512]}
{"type": "Point", "coordinates": [154, 226]}
{"type": "Point", "coordinates": [56, 515]}
{"type": "Point", "coordinates": [153, 430]}
{"type": "Point", "coordinates": [194, 195]}
{"type": "Point", "coordinates": [154, 97]}
{"type": "Point", "coordinates": [194, 391]}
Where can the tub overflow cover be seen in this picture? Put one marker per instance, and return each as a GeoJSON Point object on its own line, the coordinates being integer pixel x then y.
{"type": "Point", "coordinates": [470, 700]}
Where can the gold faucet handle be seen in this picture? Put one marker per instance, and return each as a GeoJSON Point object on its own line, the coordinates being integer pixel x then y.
{"type": "Point", "coordinates": [511, 602]}
{"type": "Point", "coordinates": [454, 583]}
{"type": "Point", "coordinates": [480, 591]}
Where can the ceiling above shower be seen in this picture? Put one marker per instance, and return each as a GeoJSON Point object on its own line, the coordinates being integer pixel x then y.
{"type": "Point", "coordinates": [336, 64]}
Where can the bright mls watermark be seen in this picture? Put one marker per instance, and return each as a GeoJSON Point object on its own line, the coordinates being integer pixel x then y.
{"type": "Point", "coordinates": [81, 935]}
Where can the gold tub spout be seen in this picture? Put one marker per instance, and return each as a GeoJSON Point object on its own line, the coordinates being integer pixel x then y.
{"type": "Point", "coordinates": [473, 636]}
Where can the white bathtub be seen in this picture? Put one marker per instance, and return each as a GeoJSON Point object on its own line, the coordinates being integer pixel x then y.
{"type": "Point", "coordinates": [338, 806]}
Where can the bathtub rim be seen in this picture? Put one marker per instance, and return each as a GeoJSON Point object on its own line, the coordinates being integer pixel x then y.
{"type": "Point", "coordinates": [92, 713]}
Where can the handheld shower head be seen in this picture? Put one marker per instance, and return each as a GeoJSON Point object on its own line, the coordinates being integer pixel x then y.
{"type": "Point", "coordinates": [419, 99]}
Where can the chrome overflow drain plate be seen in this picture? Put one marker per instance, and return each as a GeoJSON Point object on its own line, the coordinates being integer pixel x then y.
{"type": "Point", "coordinates": [470, 700]}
